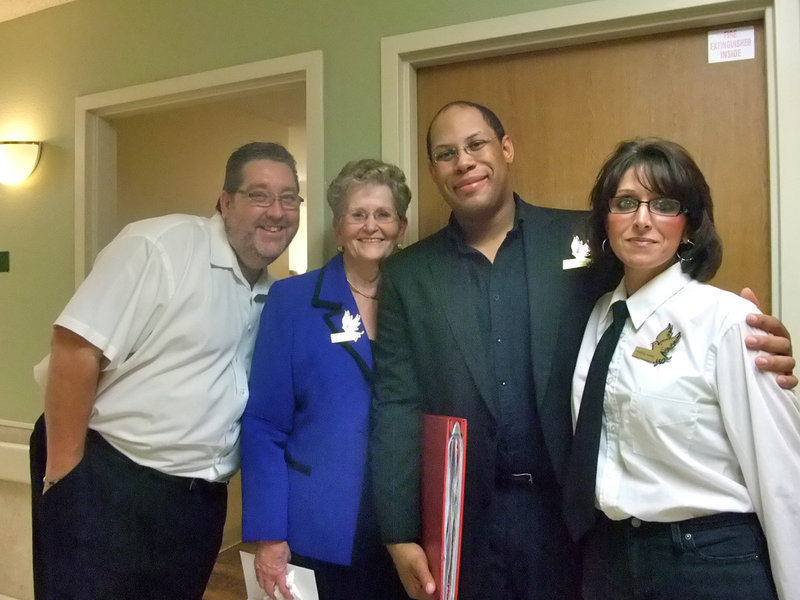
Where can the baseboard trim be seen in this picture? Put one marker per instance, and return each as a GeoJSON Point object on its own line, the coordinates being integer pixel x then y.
{"type": "Point", "coordinates": [14, 464]}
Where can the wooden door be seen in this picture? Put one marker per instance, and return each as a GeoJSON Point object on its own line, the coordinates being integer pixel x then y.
{"type": "Point", "coordinates": [567, 108]}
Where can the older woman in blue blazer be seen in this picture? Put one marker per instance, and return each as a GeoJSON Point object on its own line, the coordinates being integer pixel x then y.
{"type": "Point", "coordinates": [305, 429]}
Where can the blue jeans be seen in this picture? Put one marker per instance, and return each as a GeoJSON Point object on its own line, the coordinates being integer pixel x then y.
{"type": "Point", "coordinates": [718, 557]}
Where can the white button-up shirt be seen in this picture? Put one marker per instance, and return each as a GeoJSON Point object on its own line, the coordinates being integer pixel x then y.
{"type": "Point", "coordinates": [176, 320]}
{"type": "Point", "coordinates": [703, 432]}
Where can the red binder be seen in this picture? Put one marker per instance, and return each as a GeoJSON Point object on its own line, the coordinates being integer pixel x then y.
{"type": "Point", "coordinates": [444, 442]}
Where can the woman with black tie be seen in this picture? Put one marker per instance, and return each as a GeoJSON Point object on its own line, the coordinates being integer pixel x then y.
{"type": "Point", "coordinates": [696, 454]}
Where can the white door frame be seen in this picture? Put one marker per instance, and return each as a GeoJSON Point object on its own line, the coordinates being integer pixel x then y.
{"type": "Point", "coordinates": [95, 140]}
{"type": "Point", "coordinates": [402, 55]}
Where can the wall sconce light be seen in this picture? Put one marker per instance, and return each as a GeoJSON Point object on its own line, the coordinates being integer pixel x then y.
{"type": "Point", "coordinates": [18, 160]}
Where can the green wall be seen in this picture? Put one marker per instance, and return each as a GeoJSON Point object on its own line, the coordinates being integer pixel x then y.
{"type": "Point", "coordinates": [90, 46]}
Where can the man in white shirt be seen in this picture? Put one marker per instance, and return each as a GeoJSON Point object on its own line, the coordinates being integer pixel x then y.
{"type": "Point", "coordinates": [147, 383]}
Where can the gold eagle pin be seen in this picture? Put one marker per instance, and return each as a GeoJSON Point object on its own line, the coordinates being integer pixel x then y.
{"type": "Point", "coordinates": [657, 353]}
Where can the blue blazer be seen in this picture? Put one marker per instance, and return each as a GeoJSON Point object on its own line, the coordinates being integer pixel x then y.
{"type": "Point", "coordinates": [305, 428]}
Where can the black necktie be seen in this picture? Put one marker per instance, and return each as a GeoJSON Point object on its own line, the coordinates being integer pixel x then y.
{"type": "Point", "coordinates": [579, 488]}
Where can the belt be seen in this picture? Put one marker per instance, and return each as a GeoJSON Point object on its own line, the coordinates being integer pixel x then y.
{"type": "Point", "coordinates": [514, 479]}
{"type": "Point", "coordinates": [193, 484]}
{"type": "Point", "coordinates": [646, 528]}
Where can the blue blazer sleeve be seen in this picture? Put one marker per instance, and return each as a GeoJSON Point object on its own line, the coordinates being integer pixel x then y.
{"type": "Point", "coordinates": [266, 424]}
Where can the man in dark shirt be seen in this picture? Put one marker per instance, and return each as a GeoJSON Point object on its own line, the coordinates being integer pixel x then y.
{"type": "Point", "coordinates": [482, 321]}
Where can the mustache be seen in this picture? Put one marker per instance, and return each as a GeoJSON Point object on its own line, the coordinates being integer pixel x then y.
{"type": "Point", "coordinates": [269, 220]}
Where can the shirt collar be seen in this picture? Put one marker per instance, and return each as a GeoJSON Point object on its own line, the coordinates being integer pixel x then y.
{"type": "Point", "coordinates": [518, 218]}
{"type": "Point", "coordinates": [455, 233]}
{"type": "Point", "coordinates": [223, 256]}
{"type": "Point", "coordinates": [651, 295]}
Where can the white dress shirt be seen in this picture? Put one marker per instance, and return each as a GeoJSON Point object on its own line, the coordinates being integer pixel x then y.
{"type": "Point", "coordinates": [703, 432]}
{"type": "Point", "coordinates": [176, 320]}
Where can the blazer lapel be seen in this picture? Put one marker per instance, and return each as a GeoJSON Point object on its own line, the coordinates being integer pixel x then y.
{"type": "Point", "coordinates": [448, 276]}
{"type": "Point", "coordinates": [333, 294]}
{"type": "Point", "coordinates": [545, 293]}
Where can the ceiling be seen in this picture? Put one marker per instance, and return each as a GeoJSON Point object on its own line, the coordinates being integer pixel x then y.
{"type": "Point", "coordinates": [11, 9]}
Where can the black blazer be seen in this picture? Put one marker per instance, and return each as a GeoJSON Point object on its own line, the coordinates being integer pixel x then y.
{"type": "Point", "coordinates": [428, 360]}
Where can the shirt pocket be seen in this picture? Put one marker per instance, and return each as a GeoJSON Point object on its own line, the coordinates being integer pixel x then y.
{"type": "Point", "coordinates": [661, 427]}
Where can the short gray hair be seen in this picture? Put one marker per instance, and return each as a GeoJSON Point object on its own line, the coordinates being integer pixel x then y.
{"type": "Point", "coordinates": [369, 171]}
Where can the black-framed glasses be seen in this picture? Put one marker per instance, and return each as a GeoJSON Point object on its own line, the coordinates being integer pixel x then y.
{"type": "Point", "coordinates": [448, 154]}
{"type": "Point", "coordinates": [382, 216]}
{"type": "Point", "coordinates": [663, 207]}
{"type": "Point", "coordinates": [262, 199]}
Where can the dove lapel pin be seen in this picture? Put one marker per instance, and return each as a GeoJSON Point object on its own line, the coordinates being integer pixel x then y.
{"type": "Point", "coordinates": [580, 252]}
{"type": "Point", "coordinates": [351, 329]}
{"type": "Point", "coordinates": [658, 352]}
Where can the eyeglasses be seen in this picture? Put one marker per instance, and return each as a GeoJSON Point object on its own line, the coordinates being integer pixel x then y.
{"type": "Point", "coordinates": [663, 207]}
{"type": "Point", "coordinates": [382, 216]}
{"type": "Point", "coordinates": [447, 154]}
{"type": "Point", "coordinates": [261, 199]}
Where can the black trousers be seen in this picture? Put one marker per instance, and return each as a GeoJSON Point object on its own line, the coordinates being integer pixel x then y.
{"type": "Point", "coordinates": [115, 529]}
{"type": "Point", "coordinates": [528, 554]}
{"type": "Point", "coordinates": [374, 580]}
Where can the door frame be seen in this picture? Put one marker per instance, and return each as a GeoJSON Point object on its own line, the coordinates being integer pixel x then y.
{"type": "Point", "coordinates": [600, 20]}
{"type": "Point", "coordinates": [95, 139]}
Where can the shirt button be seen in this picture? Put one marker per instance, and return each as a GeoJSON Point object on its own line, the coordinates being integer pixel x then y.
{"type": "Point", "coordinates": [636, 522]}
{"type": "Point", "coordinates": [499, 340]}
{"type": "Point", "coordinates": [502, 383]}
{"type": "Point", "coordinates": [496, 297]}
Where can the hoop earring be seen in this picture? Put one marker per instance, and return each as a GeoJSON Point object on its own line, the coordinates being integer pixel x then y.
{"type": "Point", "coordinates": [603, 246]}
{"type": "Point", "coordinates": [340, 249]}
{"type": "Point", "coordinates": [689, 244]}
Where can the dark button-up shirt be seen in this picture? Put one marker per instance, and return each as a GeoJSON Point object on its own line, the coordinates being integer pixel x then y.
{"type": "Point", "coordinates": [499, 291]}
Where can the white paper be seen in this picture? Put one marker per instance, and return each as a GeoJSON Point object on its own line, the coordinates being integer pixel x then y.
{"type": "Point", "coordinates": [738, 43]}
{"type": "Point", "coordinates": [302, 582]}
